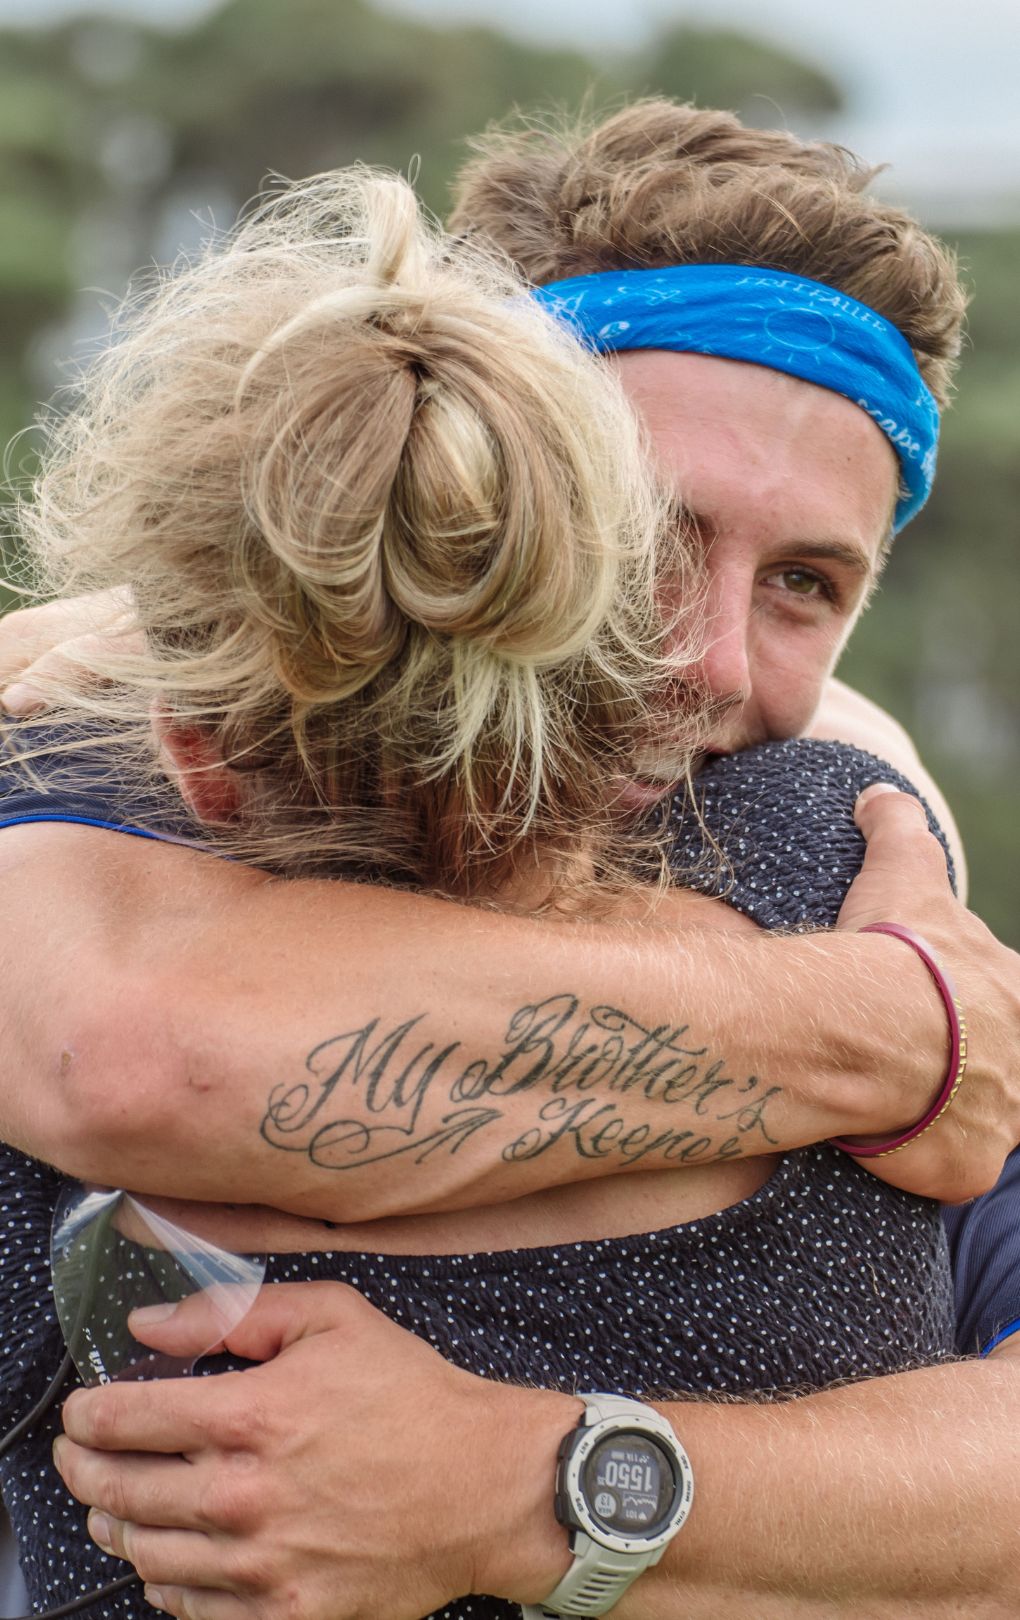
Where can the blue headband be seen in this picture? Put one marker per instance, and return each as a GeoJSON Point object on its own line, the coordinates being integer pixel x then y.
{"type": "Point", "coordinates": [741, 312]}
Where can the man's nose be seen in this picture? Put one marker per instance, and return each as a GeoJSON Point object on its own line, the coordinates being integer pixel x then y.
{"type": "Point", "coordinates": [725, 665]}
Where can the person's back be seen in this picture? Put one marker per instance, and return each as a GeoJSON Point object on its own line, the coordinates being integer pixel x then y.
{"type": "Point", "coordinates": [821, 1274]}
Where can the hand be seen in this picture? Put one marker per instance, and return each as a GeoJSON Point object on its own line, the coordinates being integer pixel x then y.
{"type": "Point", "coordinates": [904, 880]}
{"type": "Point", "coordinates": [356, 1474]}
{"type": "Point", "coordinates": [57, 641]}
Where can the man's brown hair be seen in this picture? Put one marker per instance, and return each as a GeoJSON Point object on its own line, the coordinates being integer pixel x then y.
{"type": "Point", "coordinates": [661, 183]}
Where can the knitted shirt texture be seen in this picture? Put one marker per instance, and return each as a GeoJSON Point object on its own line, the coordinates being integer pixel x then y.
{"type": "Point", "coordinates": [824, 1274]}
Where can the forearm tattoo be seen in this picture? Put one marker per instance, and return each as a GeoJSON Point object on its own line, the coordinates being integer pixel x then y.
{"type": "Point", "coordinates": [601, 1081]}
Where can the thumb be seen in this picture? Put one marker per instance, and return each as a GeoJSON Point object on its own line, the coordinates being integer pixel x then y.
{"type": "Point", "coordinates": [895, 828]}
{"type": "Point", "coordinates": [281, 1314]}
{"type": "Point", "coordinates": [904, 865]}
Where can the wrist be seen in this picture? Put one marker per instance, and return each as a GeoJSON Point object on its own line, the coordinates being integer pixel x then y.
{"type": "Point", "coordinates": [908, 1039]}
{"type": "Point", "coordinates": [886, 1037]}
{"type": "Point", "coordinates": [522, 1552]}
{"type": "Point", "coordinates": [957, 1051]}
{"type": "Point", "coordinates": [838, 1025]}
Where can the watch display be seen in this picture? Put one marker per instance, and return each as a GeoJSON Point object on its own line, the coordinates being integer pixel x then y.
{"type": "Point", "coordinates": [629, 1485]}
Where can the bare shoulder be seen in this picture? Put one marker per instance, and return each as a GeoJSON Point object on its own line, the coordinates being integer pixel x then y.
{"type": "Point", "coordinates": [1009, 1349]}
{"type": "Point", "coordinates": [846, 715]}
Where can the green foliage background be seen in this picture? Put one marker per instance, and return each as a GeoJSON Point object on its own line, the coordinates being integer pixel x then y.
{"type": "Point", "coordinates": [112, 134]}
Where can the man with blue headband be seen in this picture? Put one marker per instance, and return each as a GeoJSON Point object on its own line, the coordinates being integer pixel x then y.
{"type": "Point", "coordinates": [788, 341]}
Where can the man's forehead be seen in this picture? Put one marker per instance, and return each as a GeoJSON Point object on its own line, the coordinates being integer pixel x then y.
{"type": "Point", "coordinates": [680, 390]}
{"type": "Point", "coordinates": [742, 446]}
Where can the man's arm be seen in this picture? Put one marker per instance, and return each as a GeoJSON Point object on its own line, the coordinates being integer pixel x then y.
{"type": "Point", "coordinates": [352, 1053]}
{"type": "Point", "coordinates": [895, 1498]}
{"type": "Point", "coordinates": [142, 1040]}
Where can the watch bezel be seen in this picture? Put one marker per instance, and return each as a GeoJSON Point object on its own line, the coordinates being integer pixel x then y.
{"type": "Point", "coordinates": [571, 1491]}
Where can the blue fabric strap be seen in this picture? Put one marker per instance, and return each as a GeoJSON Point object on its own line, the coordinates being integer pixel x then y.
{"type": "Point", "coordinates": [785, 322]}
{"type": "Point", "coordinates": [1000, 1338]}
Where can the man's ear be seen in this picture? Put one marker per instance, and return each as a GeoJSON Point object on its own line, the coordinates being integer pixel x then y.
{"type": "Point", "coordinates": [193, 758]}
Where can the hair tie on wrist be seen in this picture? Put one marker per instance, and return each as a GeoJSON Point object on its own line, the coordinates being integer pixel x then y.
{"type": "Point", "coordinates": [957, 1049]}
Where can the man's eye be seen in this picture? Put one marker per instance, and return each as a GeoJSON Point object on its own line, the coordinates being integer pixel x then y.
{"type": "Point", "coordinates": [800, 582]}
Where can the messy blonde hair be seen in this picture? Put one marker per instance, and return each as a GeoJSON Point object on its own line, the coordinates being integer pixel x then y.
{"type": "Point", "coordinates": [389, 538]}
{"type": "Point", "coordinates": [662, 183]}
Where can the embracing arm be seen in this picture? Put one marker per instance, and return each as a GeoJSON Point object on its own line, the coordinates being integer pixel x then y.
{"type": "Point", "coordinates": [162, 1012]}
{"type": "Point", "coordinates": [896, 1498]}
{"type": "Point", "coordinates": [186, 1026]}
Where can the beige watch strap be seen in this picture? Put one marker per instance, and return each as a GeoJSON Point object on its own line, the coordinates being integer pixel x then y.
{"type": "Point", "coordinates": [596, 1581]}
{"type": "Point", "coordinates": [600, 1575]}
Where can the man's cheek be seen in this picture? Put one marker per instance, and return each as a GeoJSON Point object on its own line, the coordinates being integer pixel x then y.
{"type": "Point", "coordinates": [789, 697]}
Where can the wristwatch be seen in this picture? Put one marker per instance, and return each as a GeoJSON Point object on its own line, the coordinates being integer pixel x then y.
{"type": "Point", "coordinates": [624, 1487]}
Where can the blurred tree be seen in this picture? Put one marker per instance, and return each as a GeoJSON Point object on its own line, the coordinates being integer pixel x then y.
{"type": "Point", "coordinates": [720, 68]}
{"type": "Point", "coordinates": [115, 136]}
{"type": "Point", "coordinates": [940, 645]}
{"type": "Point", "coordinates": [256, 87]}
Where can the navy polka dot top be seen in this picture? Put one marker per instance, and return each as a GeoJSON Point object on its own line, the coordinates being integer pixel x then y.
{"type": "Point", "coordinates": [824, 1274]}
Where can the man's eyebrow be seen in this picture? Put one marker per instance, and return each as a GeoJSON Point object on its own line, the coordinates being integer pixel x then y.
{"type": "Point", "coordinates": [848, 552]}
{"type": "Point", "coordinates": [851, 556]}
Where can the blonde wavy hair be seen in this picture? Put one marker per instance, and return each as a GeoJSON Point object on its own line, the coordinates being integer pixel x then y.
{"type": "Point", "coordinates": [390, 542]}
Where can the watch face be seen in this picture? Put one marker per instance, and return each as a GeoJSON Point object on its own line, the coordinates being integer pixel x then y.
{"type": "Point", "coordinates": [629, 1485]}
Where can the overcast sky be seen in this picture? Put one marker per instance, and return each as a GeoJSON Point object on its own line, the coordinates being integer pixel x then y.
{"type": "Point", "coordinates": [932, 84]}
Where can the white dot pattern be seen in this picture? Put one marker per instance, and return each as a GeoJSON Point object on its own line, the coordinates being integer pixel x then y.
{"type": "Point", "coordinates": [824, 1274]}
{"type": "Point", "coordinates": [782, 815]}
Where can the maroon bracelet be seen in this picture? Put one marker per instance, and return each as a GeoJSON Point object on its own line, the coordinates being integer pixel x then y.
{"type": "Point", "coordinates": [957, 1048]}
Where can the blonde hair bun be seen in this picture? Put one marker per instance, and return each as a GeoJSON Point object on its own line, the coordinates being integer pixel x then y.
{"type": "Point", "coordinates": [388, 530]}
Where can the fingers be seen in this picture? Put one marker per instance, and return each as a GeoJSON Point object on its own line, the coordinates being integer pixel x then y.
{"type": "Point", "coordinates": [187, 1603]}
{"type": "Point", "coordinates": [162, 1556]}
{"type": "Point", "coordinates": [27, 696]}
{"type": "Point", "coordinates": [154, 1490]}
{"type": "Point", "coordinates": [22, 700]}
{"type": "Point", "coordinates": [194, 1415]}
{"type": "Point", "coordinates": [49, 643]}
{"type": "Point", "coordinates": [878, 804]}
{"type": "Point", "coordinates": [24, 635]}
{"type": "Point", "coordinates": [201, 1324]}
{"type": "Point", "coordinates": [282, 1314]}
{"type": "Point", "coordinates": [30, 693]}
{"type": "Point", "coordinates": [895, 826]}
{"type": "Point", "coordinates": [174, 1416]}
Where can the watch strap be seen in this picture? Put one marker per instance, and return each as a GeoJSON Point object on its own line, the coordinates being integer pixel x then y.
{"type": "Point", "coordinates": [595, 1581]}
{"type": "Point", "coordinates": [598, 1407]}
{"type": "Point", "coordinates": [599, 1576]}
